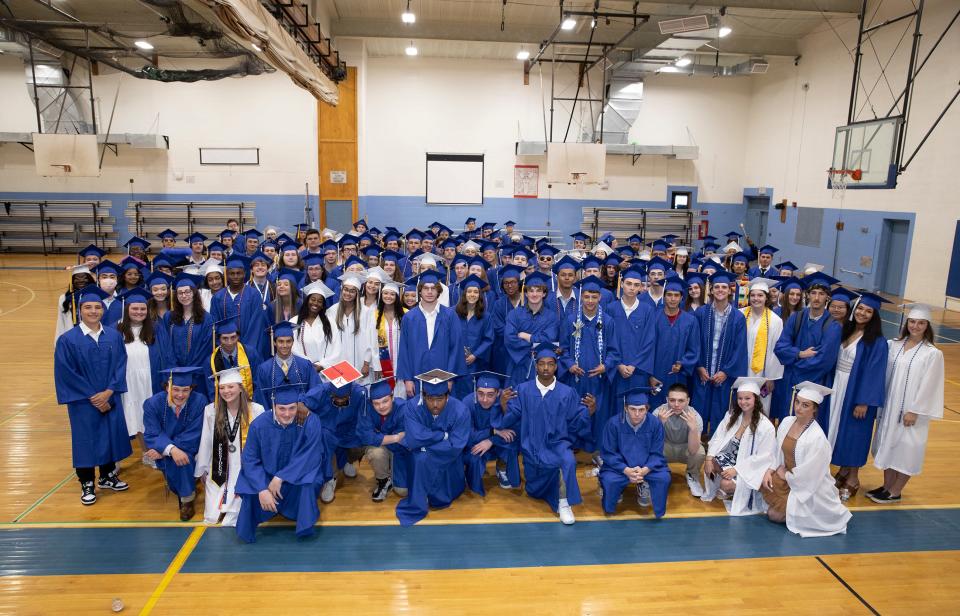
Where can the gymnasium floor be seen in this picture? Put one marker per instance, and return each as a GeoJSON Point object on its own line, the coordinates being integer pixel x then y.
{"type": "Point", "coordinates": [504, 554]}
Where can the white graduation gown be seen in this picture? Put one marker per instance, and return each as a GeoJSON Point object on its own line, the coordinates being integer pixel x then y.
{"type": "Point", "coordinates": [399, 390]}
{"type": "Point", "coordinates": [64, 319]}
{"type": "Point", "coordinates": [846, 357]}
{"type": "Point", "coordinates": [139, 383]}
{"type": "Point", "coordinates": [813, 507]}
{"type": "Point", "coordinates": [754, 457]}
{"type": "Point", "coordinates": [206, 295]}
{"type": "Point", "coordinates": [772, 368]}
{"type": "Point", "coordinates": [354, 347]}
{"type": "Point", "coordinates": [914, 384]}
{"type": "Point", "coordinates": [309, 342]}
{"type": "Point", "coordinates": [220, 499]}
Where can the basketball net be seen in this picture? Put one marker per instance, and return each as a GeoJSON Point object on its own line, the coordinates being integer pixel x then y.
{"type": "Point", "coordinates": [839, 179]}
{"type": "Point", "coordinates": [576, 179]}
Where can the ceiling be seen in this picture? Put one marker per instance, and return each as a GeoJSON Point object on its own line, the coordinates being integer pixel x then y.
{"type": "Point", "coordinates": [490, 29]}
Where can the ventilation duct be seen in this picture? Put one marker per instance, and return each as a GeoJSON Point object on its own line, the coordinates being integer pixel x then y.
{"type": "Point", "coordinates": [623, 106]}
{"type": "Point", "coordinates": [684, 24]}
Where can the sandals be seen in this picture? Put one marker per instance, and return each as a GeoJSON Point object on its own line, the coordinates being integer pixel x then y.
{"type": "Point", "coordinates": [847, 492]}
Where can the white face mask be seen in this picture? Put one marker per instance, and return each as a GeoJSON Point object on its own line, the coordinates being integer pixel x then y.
{"type": "Point", "coordinates": [108, 284]}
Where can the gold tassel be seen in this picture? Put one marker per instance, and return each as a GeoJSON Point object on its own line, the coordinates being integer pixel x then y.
{"type": "Point", "coordinates": [619, 280]}
{"type": "Point", "coordinates": [170, 390]}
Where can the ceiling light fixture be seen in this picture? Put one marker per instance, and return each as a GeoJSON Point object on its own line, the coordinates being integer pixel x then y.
{"type": "Point", "coordinates": [684, 61]}
{"type": "Point", "coordinates": [255, 47]}
{"type": "Point", "coordinates": [411, 50]}
{"type": "Point", "coordinates": [568, 24]}
{"type": "Point", "coordinates": [724, 31]}
{"type": "Point", "coordinates": [523, 54]}
{"type": "Point", "coordinates": [669, 69]}
{"type": "Point", "coordinates": [408, 16]}
{"type": "Point", "coordinates": [143, 44]}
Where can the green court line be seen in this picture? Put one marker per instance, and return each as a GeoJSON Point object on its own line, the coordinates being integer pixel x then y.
{"type": "Point", "coordinates": [45, 497]}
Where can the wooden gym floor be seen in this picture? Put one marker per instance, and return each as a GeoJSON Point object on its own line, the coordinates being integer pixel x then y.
{"type": "Point", "coordinates": [501, 554]}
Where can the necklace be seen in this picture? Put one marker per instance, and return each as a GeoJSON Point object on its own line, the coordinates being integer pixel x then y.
{"type": "Point", "coordinates": [232, 432]}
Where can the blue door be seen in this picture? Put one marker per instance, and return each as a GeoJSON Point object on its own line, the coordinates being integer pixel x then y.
{"type": "Point", "coordinates": [893, 256]}
{"type": "Point", "coordinates": [339, 215]}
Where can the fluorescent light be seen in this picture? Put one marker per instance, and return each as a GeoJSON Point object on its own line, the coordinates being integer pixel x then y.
{"type": "Point", "coordinates": [408, 17]}
{"type": "Point", "coordinates": [724, 31]}
{"type": "Point", "coordinates": [411, 50]}
{"type": "Point", "coordinates": [568, 24]}
{"type": "Point", "coordinates": [523, 55]}
{"type": "Point", "coordinates": [255, 47]}
{"type": "Point", "coordinates": [633, 88]}
{"type": "Point", "coordinates": [143, 44]}
{"type": "Point", "coordinates": [669, 69]}
{"type": "Point", "coordinates": [684, 61]}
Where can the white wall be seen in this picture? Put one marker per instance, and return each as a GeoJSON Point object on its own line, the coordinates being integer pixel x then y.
{"type": "Point", "coordinates": [265, 111]}
{"type": "Point", "coordinates": [791, 134]}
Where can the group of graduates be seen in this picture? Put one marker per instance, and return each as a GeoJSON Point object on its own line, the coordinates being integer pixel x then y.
{"type": "Point", "coordinates": [266, 370]}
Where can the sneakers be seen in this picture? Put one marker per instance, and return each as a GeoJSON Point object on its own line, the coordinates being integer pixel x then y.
{"type": "Point", "coordinates": [349, 470]}
{"type": "Point", "coordinates": [382, 489]}
{"type": "Point", "coordinates": [87, 494]}
{"type": "Point", "coordinates": [503, 480]}
{"type": "Point", "coordinates": [643, 494]}
{"type": "Point", "coordinates": [883, 497]}
{"type": "Point", "coordinates": [565, 512]}
{"type": "Point", "coordinates": [112, 482]}
{"type": "Point", "coordinates": [694, 484]}
{"type": "Point", "coordinates": [328, 491]}
{"type": "Point", "coordinates": [876, 492]}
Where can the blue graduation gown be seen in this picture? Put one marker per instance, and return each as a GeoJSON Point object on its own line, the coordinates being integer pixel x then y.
{"type": "Point", "coordinates": [498, 355]}
{"type": "Point", "coordinates": [545, 440]}
{"type": "Point", "coordinates": [371, 428]}
{"type": "Point", "coordinates": [675, 343]}
{"type": "Point", "coordinates": [713, 401]}
{"type": "Point", "coordinates": [624, 447]}
{"type": "Point", "coordinates": [113, 313]}
{"type": "Point", "coordinates": [82, 368]}
{"type": "Point", "coordinates": [445, 353]}
{"type": "Point", "coordinates": [161, 356]}
{"type": "Point", "coordinates": [339, 424]}
{"type": "Point", "coordinates": [823, 335]}
{"type": "Point", "coordinates": [633, 342]}
{"type": "Point", "coordinates": [481, 429]}
{"type": "Point", "coordinates": [253, 316]}
{"type": "Point", "coordinates": [190, 346]}
{"type": "Point", "coordinates": [161, 428]}
{"type": "Point", "coordinates": [543, 327]}
{"type": "Point", "coordinates": [867, 385]}
{"type": "Point", "coordinates": [590, 357]}
{"type": "Point", "coordinates": [563, 312]}
{"type": "Point", "coordinates": [294, 453]}
{"type": "Point", "coordinates": [268, 375]}
{"type": "Point", "coordinates": [755, 272]}
{"type": "Point", "coordinates": [478, 337]}
{"type": "Point", "coordinates": [436, 445]}
{"type": "Point", "coordinates": [656, 304]}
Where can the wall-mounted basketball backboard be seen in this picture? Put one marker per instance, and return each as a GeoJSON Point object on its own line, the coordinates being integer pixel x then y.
{"type": "Point", "coordinates": [864, 153]}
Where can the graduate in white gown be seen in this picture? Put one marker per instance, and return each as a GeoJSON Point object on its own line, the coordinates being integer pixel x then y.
{"type": "Point", "coordinates": [225, 424]}
{"type": "Point", "coordinates": [315, 339]}
{"type": "Point", "coordinates": [915, 381]}
{"type": "Point", "coordinates": [741, 451]}
{"type": "Point", "coordinates": [763, 331]}
{"type": "Point", "coordinates": [67, 308]}
{"type": "Point", "coordinates": [350, 327]}
{"type": "Point", "coordinates": [798, 487]}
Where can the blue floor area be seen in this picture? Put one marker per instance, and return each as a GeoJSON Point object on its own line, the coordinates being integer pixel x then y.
{"type": "Point", "coordinates": [51, 551]}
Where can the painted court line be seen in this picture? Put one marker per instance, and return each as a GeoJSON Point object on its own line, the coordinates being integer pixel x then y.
{"type": "Point", "coordinates": [24, 410]}
{"type": "Point", "coordinates": [49, 493]}
{"type": "Point", "coordinates": [848, 587]}
{"type": "Point", "coordinates": [175, 565]}
{"type": "Point", "coordinates": [33, 296]}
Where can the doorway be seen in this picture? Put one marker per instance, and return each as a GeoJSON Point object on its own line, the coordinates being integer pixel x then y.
{"type": "Point", "coordinates": [892, 257]}
{"type": "Point", "coordinates": [338, 214]}
{"type": "Point", "coordinates": [755, 220]}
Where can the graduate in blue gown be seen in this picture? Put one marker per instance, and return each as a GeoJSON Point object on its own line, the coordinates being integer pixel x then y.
{"type": "Point", "coordinates": [541, 411]}
{"type": "Point", "coordinates": [565, 298]}
{"type": "Point", "coordinates": [764, 267]}
{"type": "Point", "coordinates": [280, 468]}
{"type": "Point", "coordinates": [723, 351]}
{"type": "Point", "coordinates": [509, 298]}
{"type": "Point", "coordinates": [338, 406]}
{"type": "Point", "coordinates": [108, 277]}
{"type": "Point", "coordinates": [380, 430]}
{"type": "Point", "coordinates": [677, 347]}
{"type": "Point", "coordinates": [477, 325]}
{"type": "Point", "coordinates": [808, 346]}
{"type": "Point", "coordinates": [632, 451]}
{"type": "Point", "coordinates": [634, 337]}
{"type": "Point", "coordinates": [172, 425]}
{"type": "Point", "coordinates": [437, 430]}
{"type": "Point", "coordinates": [420, 350]}
{"type": "Point", "coordinates": [189, 329]}
{"type": "Point", "coordinates": [587, 357]}
{"type": "Point", "coordinates": [238, 299]}
{"type": "Point", "coordinates": [851, 431]}
{"type": "Point", "coordinates": [270, 373]}
{"type": "Point", "coordinates": [89, 375]}
{"type": "Point", "coordinates": [528, 325]}
{"type": "Point", "coordinates": [487, 443]}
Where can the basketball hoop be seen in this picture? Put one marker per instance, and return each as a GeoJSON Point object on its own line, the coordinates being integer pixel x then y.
{"type": "Point", "coordinates": [576, 179]}
{"type": "Point", "coordinates": [838, 180]}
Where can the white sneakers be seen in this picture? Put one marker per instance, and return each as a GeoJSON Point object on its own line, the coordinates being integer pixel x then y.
{"type": "Point", "coordinates": [695, 488]}
{"type": "Point", "coordinates": [328, 491]}
{"type": "Point", "coordinates": [565, 512]}
{"type": "Point", "coordinates": [349, 470]}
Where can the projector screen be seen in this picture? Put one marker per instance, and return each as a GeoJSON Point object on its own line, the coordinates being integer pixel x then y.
{"type": "Point", "coordinates": [455, 179]}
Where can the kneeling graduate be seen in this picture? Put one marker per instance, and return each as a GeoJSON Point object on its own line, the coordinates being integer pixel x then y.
{"type": "Point", "coordinates": [280, 467]}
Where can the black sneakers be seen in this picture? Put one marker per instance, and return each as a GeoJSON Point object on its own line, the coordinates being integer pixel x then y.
{"type": "Point", "coordinates": [87, 494]}
{"type": "Point", "coordinates": [113, 482]}
{"type": "Point", "coordinates": [882, 497]}
{"type": "Point", "coordinates": [382, 489]}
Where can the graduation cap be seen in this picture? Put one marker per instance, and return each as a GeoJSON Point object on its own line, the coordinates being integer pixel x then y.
{"type": "Point", "coordinates": [252, 234]}
{"type": "Point", "coordinates": [366, 236]}
{"type": "Point", "coordinates": [131, 262]}
{"type": "Point", "coordinates": [229, 325]}
{"type": "Point", "coordinates": [210, 266]}
{"type": "Point", "coordinates": [390, 255]}
{"type": "Point", "coordinates": [767, 249]}
{"type": "Point", "coordinates": [811, 391]}
{"type": "Point", "coordinates": [137, 241]}
{"type": "Point", "coordinates": [136, 295]}
{"type": "Point", "coordinates": [283, 329]}
{"type": "Point", "coordinates": [378, 273]}
{"type": "Point", "coordinates": [546, 250]}
{"type": "Point", "coordinates": [392, 236]}
{"type": "Point", "coordinates": [524, 253]}
{"type": "Point", "coordinates": [918, 311]}
{"type": "Point", "coordinates": [162, 261]}
{"type": "Point", "coordinates": [751, 384]}
{"type": "Point", "coordinates": [590, 262]}
{"type": "Point", "coordinates": [352, 279]}
{"type": "Point", "coordinates": [470, 220]}
{"type": "Point", "coordinates": [357, 223]}
{"type": "Point", "coordinates": [606, 238]}
{"type": "Point", "coordinates": [762, 284]}
{"type": "Point", "coordinates": [602, 247]}
{"type": "Point", "coordinates": [227, 233]}
{"type": "Point", "coordinates": [818, 279]}
{"type": "Point", "coordinates": [637, 396]}
{"type": "Point", "coordinates": [381, 389]}
{"type": "Point", "coordinates": [374, 232]}
{"type": "Point", "coordinates": [313, 258]}
{"type": "Point", "coordinates": [613, 259]}
{"type": "Point", "coordinates": [441, 228]}
{"type": "Point", "coordinates": [635, 239]}
{"type": "Point", "coordinates": [580, 236]}
{"type": "Point", "coordinates": [732, 246]}
{"type": "Point", "coordinates": [785, 283]}
{"type": "Point", "coordinates": [167, 234]}
{"type": "Point", "coordinates": [372, 251]}
{"type": "Point", "coordinates": [509, 223]}
{"type": "Point", "coordinates": [695, 278]}
{"type": "Point", "coordinates": [722, 276]}
{"type": "Point", "coordinates": [92, 293]}
{"type": "Point", "coordinates": [659, 246]}
{"type": "Point", "coordinates": [461, 258]}
{"type": "Point", "coordinates": [425, 258]}
{"type": "Point", "coordinates": [537, 279]}
{"type": "Point", "coordinates": [448, 243]}
{"type": "Point", "coordinates": [843, 295]}
{"type": "Point", "coordinates": [675, 283]}
{"type": "Point", "coordinates": [216, 247]}
{"type": "Point", "coordinates": [283, 239]}
{"type": "Point", "coordinates": [711, 246]}
{"type": "Point", "coordinates": [328, 246]}
{"type": "Point", "coordinates": [341, 375]}
{"type": "Point", "coordinates": [626, 252]}
{"type": "Point", "coordinates": [590, 283]}
{"type": "Point", "coordinates": [786, 265]}
{"type": "Point", "coordinates": [472, 281]}
{"type": "Point", "coordinates": [92, 250]}
{"type": "Point", "coordinates": [472, 246]}
{"type": "Point", "coordinates": [290, 275]}
{"type": "Point", "coordinates": [266, 244]}
{"type": "Point", "coordinates": [414, 234]}
{"type": "Point", "coordinates": [285, 393]}
{"type": "Point", "coordinates": [872, 300]}
{"type": "Point", "coordinates": [354, 260]}
{"type": "Point", "coordinates": [741, 257]}
{"type": "Point", "coordinates": [196, 236]}
{"type": "Point", "coordinates": [229, 376]}
{"type": "Point", "coordinates": [158, 278]}
{"type": "Point", "coordinates": [434, 382]}
{"type": "Point", "coordinates": [811, 268]}
{"type": "Point", "coordinates": [183, 279]}
{"type": "Point", "coordinates": [330, 233]}
{"type": "Point", "coordinates": [546, 349]}
{"type": "Point", "coordinates": [107, 267]}
{"type": "Point", "coordinates": [489, 380]}
{"type": "Point", "coordinates": [683, 250]}
{"type": "Point", "coordinates": [510, 271]}
{"type": "Point", "coordinates": [659, 263]}
{"type": "Point", "coordinates": [429, 277]}
{"type": "Point", "coordinates": [347, 240]}
{"type": "Point", "coordinates": [669, 238]}
{"type": "Point", "coordinates": [180, 376]}
{"type": "Point", "coordinates": [259, 255]}
{"type": "Point", "coordinates": [733, 236]}
{"type": "Point", "coordinates": [488, 225]}
{"type": "Point", "coordinates": [633, 273]}
{"type": "Point", "coordinates": [315, 288]}
{"type": "Point", "coordinates": [566, 262]}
